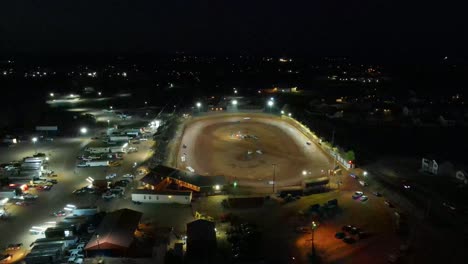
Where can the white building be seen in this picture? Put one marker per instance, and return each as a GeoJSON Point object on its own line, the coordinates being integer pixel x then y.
{"type": "Point", "coordinates": [151, 196]}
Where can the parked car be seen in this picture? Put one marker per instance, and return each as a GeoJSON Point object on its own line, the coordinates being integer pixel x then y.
{"type": "Point", "coordinates": [29, 196]}
{"type": "Point", "coordinates": [347, 228]}
{"type": "Point", "coordinates": [354, 230]}
{"type": "Point", "coordinates": [302, 229]}
{"type": "Point", "coordinates": [357, 194]}
{"type": "Point", "coordinates": [451, 207]}
{"type": "Point", "coordinates": [377, 194]}
{"type": "Point", "coordinates": [53, 181]}
{"type": "Point", "coordinates": [128, 176]}
{"type": "Point", "coordinates": [111, 176]}
{"type": "Point", "coordinates": [363, 234]}
{"type": "Point", "coordinates": [349, 240]}
{"type": "Point", "coordinates": [389, 204]}
{"type": "Point", "coordinates": [340, 235]}
{"type": "Point", "coordinates": [364, 198]}
{"type": "Point", "coordinates": [60, 213]}
{"type": "Point", "coordinates": [108, 195]}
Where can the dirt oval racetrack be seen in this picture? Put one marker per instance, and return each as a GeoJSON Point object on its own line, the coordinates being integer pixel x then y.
{"type": "Point", "coordinates": [245, 147]}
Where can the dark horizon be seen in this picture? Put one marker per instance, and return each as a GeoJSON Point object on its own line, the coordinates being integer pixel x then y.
{"type": "Point", "coordinates": [367, 29]}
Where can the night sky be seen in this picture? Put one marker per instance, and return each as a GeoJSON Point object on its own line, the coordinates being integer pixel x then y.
{"type": "Point", "coordinates": [311, 27]}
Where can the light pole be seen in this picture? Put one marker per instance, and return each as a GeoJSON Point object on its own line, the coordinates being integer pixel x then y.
{"type": "Point", "coordinates": [83, 130]}
{"type": "Point", "coordinates": [313, 227]}
{"type": "Point", "coordinates": [270, 104]}
{"type": "Point", "coordinates": [198, 106]}
{"type": "Point", "coordinates": [108, 123]}
{"type": "Point", "coordinates": [334, 153]}
{"type": "Point", "coordinates": [34, 140]}
{"type": "Point", "coordinates": [234, 104]}
{"type": "Point", "coordinates": [274, 177]}
{"type": "Point", "coordinates": [97, 239]}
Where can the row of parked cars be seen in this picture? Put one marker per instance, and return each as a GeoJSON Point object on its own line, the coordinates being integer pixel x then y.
{"type": "Point", "coordinates": [349, 234]}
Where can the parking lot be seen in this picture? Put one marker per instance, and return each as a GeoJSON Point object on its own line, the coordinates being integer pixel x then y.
{"type": "Point", "coordinates": [62, 153]}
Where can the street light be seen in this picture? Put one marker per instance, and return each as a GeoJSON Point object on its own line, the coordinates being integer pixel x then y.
{"type": "Point", "coordinates": [289, 114]}
{"type": "Point", "coordinates": [282, 112]}
{"type": "Point", "coordinates": [108, 122]}
{"type": "Point", "coordinates": [270, 104]}
{"type": "Point", "coordinates": [313, 227]}
{"type": "Point", "coordinates": [84, 130]}
{"type": "Point", "coordinates": [198, 105]}
{"type": "Point", "coordinates": [51, 94]}
{"type": "Point", "coordinates": [34, 140]}
{"type": "Point", "coordinates": [304, 172]}
{"type": "Point", "coordinates": [234, 102]}
{"type": "Point", "coordinates": [364, 173]}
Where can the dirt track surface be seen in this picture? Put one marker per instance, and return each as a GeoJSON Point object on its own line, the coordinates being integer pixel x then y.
{"type": "Point", "coordinates": [244, 147]}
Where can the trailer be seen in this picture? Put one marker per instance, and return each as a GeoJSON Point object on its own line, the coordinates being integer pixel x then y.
{"type": "Point", "coordinates": [117, 150]}
{"type": "Point", "coordinates": [316, 184]}
{"type": "Point", "coordinates": [33, 160]}
{"type": "Point", "coordinates": [86, 210]}
{"type": "Point", "coordinates": [31, 166]}
{"type": "Point", "coordinates": [7, 193]}
{"type": "Point", "coordinates": [94, 163]}
{"type": "Point", "coordinates": [119, 138]}
{"type": "Point", "coordinates": [132, 132]}
{"type": "Point", "coordinates": [98, 150]}
{"type": "Point", "coordinates": [27, 174]}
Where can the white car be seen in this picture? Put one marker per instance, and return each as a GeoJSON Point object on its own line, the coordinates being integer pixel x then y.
{"type": "Point", "coordinates": [190, 169]}
{"type": "Point", "coordinates": [29, 196]}
{"type": "Point", "coordinates": [357, 195]}
{"type": "Point", "coordinates": [108, 196]}
{"type": "Point", "coordinates": [130, 176]}
{"type": "Point", "coordinates": [111, 176]}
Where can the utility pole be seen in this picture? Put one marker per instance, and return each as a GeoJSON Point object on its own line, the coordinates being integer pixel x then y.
{"type": "Point", "coordinates": [274, 177]}
{"type": "Point", "coordinates": [334, 154]}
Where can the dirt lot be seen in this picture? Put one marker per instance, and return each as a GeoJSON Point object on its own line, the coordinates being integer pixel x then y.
{"type": "Point", "coordinates": [244, 147]}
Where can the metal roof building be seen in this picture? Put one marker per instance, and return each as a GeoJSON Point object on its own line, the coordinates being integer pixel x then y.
{"type": "Point", "coordinates": [115, 234]}
{"type": "Point", "coordinates": [201, 239]}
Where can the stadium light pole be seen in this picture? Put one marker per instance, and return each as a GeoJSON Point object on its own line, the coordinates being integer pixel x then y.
{"type": "Point", "coordinates": [234, 104]}
{"type": "Point", "coordinates": [270, 104]}
{"type": "Point", "coordinates": [274, 176]}
{"type": "Point", "coordinates": [34, 140]}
